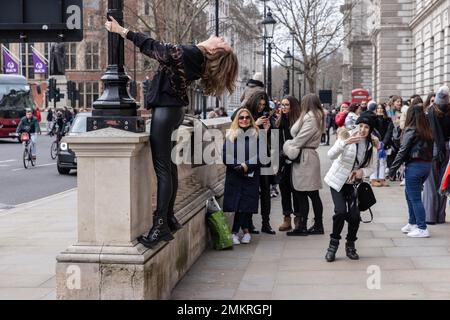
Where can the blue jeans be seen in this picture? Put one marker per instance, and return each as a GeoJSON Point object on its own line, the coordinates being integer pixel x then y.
{"type": "Point", "coordinates": [415, 175]}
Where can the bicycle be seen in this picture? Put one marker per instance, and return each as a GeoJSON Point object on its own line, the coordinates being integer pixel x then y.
{"type": "Point", "coordinates": [27, 156]}
{"type": "Point", "coordinates": [54, 149]}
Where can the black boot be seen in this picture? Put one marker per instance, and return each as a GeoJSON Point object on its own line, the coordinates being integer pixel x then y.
{"type": "Point", "coordinates": [331, 251]}
{"type": "Point", "coordinates": [300, 229]}
{"type": "Point", "coordinates": [173, 223]}
{"type": "Point", "coordinates": [159, 231]}
{"type": "Point", "coordinates": [266, 228]}
{"type": "Point", "coordinates": [317, 227]}
{"type": "Point", "coordinates": [350, 250]}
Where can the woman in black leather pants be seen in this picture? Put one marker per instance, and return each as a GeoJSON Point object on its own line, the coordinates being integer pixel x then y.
{"type": "Point", "coordinates": [215, 64]}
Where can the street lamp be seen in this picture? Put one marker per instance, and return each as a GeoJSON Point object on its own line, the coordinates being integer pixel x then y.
{"type": "Point", "coordinates": [269, 28]}
{"type": "Point", "coordinates": [115, 108]}
{"type": "Point", "coordinates": [265, 41]}
{"type": "Point", "coordinates": [293, 33]}
{"type": "Point", "coordinates": [288, 60]}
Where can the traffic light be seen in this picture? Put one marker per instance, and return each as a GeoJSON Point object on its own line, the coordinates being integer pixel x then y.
{"type": "Point", "coordinates": [57, 95]}
{"type": "Point", "coordinates": [51, 88]}
{"type": "Point", "coordinates": [71, 88]}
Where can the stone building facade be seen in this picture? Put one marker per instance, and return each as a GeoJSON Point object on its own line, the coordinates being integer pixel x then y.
{"type": "Point", "coordinates": [357, 50]}
{"type": "Point", "coordinates": [410, 41]}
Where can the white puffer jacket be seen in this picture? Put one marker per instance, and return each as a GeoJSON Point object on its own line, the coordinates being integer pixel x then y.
{"type": "Point", "coordinates": [344, 158]}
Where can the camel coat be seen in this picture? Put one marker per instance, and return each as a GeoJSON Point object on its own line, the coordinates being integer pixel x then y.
{"type": "Point", "coordinates": [305, 173]}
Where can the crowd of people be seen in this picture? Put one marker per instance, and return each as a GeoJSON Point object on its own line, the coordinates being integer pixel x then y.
{"type": "Point", "coordinates": [378, 141]}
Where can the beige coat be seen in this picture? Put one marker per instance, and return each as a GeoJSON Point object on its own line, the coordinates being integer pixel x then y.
{"type": "Point", "coordinates": [306, 173]}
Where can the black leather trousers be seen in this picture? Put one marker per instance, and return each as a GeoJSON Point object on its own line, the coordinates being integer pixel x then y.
{"type": "Point", "coordinates": [164, 121]}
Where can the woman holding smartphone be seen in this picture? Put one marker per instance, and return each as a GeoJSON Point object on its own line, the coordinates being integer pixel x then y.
{"type": "Point", "coordinates": [353, 155]}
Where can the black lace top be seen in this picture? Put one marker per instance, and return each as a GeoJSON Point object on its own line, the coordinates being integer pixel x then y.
{"type": "Point", "coordinates": [179, 65]}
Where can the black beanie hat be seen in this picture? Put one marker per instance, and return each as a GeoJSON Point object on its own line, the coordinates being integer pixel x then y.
{"type": "Point", "coordinates": [367, 117]}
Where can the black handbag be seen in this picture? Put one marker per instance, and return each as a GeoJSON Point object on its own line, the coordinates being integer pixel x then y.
{"type": "Point", "coordinates": [366, 198]}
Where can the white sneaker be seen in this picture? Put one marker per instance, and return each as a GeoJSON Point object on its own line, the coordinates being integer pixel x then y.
{"type": "Point", "coordinates": [246, 238]}
{"type": "Point", "coordinates": [402, 183]}
{"type": "Point", "coordinates": [235, 239]}
{"type": "Point", "coordinates": [419, 233]}
{"type": "Point", "coordinates": [409, 227]}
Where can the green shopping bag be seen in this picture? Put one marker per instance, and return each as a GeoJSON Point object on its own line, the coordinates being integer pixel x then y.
{"type": "Point", "coordinates": [220, 231]}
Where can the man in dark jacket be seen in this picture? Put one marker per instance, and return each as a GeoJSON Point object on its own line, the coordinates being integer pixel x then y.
{"type": "Point", "coordinates": [30, 125]}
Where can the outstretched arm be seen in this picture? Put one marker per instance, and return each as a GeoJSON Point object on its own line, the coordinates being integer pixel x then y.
{"type": "Point", "coordinates": [164, 53]}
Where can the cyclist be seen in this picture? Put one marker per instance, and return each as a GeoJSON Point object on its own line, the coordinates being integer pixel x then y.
{"type": "Point", "coordinates": [59, 125]}
{"type": "Point", "coordinates": [30, 124]}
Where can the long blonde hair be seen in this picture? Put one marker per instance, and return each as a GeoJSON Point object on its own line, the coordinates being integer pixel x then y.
{"type": "Point", "coordinates": [311, 102]}
{"type": "Point", "coordinates": [233, 132]}
{"type": "Point", "coordinates": [221, 72]}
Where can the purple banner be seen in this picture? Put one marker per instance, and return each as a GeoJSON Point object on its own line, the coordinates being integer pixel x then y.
{"type": "Point", "coordinates": [10, 65]}
{"type": "Point", "coordinates": [39, 64]}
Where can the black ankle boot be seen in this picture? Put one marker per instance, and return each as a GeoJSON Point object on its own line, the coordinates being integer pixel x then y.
{"type": "Point", "coordinates": [266, 228]}
{"type": "Point", "coordinates": [159, 231]}
{"type": "Point", "coordinates": [300, 229]}
{"type": "Point", "coordinates": [332, 249]}
{"type": "Point", "coordinates": [350, 250]}
{"type": "Point", "coordinates": [173, 223]}
{"type": "Point", "coordinates": [317, 228]}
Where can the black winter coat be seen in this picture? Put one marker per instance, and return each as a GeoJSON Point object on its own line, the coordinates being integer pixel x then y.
{"type": "Point", "coordinates": [385, 128]}
{"type": "Point", "coordinates": [241, 190]}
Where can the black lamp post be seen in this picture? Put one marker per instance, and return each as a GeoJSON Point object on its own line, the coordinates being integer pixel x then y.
{"type": "Point", "coordinates": [265, 42]}
{"type": "Point", "coordinates": [293, 61]}
{"type": "Point", "coordinates": [288, 60]}
{"type": "Point", "coordinates": [269, 28]}
{"type": "Point", "coordinates": [115, 108]}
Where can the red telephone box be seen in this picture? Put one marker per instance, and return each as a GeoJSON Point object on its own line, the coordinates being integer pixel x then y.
{"type": "Point", "coordinates": [360, 95]}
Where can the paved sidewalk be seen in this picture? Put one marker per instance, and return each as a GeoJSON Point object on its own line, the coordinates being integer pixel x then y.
{"type": "Point", "coordinates": [282, 267]}
{"type": "Point", "coordinates": [271, 267]}
{"type": "Point", "coordinates": [31, 235]}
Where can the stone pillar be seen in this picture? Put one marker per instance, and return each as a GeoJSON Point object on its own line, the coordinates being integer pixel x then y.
{"type": "Point", "coordinates": [419, 64]}
{"type": "Point", "coordinates": [114, 208]}
{"type": "Point", "coordinates": [446, 55]}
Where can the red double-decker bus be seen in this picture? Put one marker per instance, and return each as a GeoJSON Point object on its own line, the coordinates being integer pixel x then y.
{"type": "Point", "coordinates": [15, 97]}
{"type": "Point", "coordinates": [360, 95]}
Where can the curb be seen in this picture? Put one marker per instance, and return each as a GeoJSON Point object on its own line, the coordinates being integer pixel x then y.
{"type": "Point", "coordinates": [37, 202]}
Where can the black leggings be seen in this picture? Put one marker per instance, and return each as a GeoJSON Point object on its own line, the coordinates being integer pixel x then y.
{"type": "Point", "coordinates": [164, 121]}
{"type": "Point", "coordinates": [301, 198]}
{"type": "Point", "coordinates": [345, 209]}
{"type": "Point", "coordinates": [287, 193]}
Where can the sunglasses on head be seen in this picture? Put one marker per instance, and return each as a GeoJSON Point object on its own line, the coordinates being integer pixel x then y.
{"type": "Point", "coordinates": [244, 117]}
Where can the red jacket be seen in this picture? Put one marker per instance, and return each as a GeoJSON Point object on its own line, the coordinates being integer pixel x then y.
{"type": "Point", "coordinates": [38, 115]}
{"type": "Point", "coordinates": [340, 119]}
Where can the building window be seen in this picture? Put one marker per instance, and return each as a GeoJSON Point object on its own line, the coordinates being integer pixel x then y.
{"type": "Point", "coordinates": [89, 92]}
{"type": "Point", "coordinates": [26, 56]}
{"type": "Point", "coordinates": [92, 56]}
{"type": "Point", "coordinates": [71, 56]}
